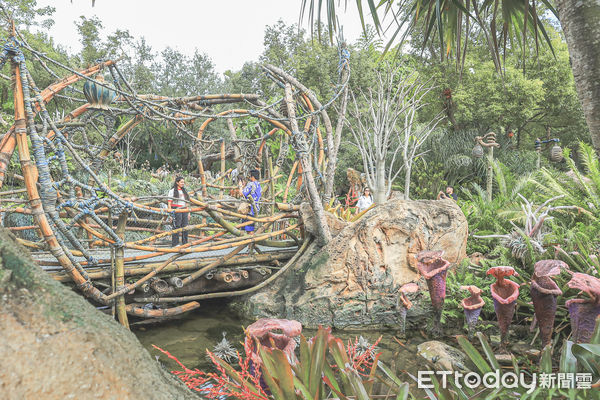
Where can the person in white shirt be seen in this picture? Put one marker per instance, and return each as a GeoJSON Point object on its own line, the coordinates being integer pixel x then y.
{"type": "Point", "coordinates": [177, 197]}
{"type": "Point", "coordinates": [365, 201]}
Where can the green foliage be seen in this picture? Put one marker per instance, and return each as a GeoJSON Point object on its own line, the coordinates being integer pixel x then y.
{"type": "Point", "coordinates": [464, 275]}
{"type": "Point", "coordinates": [427, 180]}
{"type": "Point", "coordinates": [324, 368]}
{"type": "Point", "coordinates": [26, 13]}
{"type": "Point", "coordinates": [574, 358]}
{"type": "Point", "coordinates": [497, 102]}
{"type": "Point", "coordinates": [576, 188]}
{"type": "Point", "coordinates": [89, 32]}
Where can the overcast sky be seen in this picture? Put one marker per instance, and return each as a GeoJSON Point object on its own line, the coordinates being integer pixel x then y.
{"type": "Point", "coordinates": [229, 31]}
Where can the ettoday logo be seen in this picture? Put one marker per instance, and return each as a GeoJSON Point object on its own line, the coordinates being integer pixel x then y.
{"type": "Point", "coordinates": [472, 380]}
{"type": "Point", "coordinates": [507, 380]}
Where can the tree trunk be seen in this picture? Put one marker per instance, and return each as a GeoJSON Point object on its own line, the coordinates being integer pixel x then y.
{"type": "Point", "coordinates": [380, 189]}
{"type": "Point", "coordinates": [580, 20]}
{"type": "Point", "coordinates": [407, 181]}
{"type": "Point", "coordinates": [333, 152]}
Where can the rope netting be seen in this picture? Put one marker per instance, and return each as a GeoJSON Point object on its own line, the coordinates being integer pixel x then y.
{"type": "Point", "coordinates": [84, 227]}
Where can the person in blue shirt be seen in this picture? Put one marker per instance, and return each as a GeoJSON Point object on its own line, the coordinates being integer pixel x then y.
{"type": "Point", "coordinates": [253, 190]}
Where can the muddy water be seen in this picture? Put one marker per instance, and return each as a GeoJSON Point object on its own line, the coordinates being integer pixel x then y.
{"type": "Point", "coordinates": [189, 337]}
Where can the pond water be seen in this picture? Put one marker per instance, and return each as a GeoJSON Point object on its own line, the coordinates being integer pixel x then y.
{"type": "Point", "coordinates": [189, 337]}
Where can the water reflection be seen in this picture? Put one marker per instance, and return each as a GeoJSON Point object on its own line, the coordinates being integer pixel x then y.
{"type": "Point", "coordinates": [189, 337]}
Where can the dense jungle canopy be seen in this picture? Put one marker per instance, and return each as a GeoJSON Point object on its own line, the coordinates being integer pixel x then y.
{"type": "Point", "coordinates": [534, 97]}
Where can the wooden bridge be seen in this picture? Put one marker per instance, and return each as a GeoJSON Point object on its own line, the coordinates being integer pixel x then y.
{"type": "Point", "coordinates": [114, 247]}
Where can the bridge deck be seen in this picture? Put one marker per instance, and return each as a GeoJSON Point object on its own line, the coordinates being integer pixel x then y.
{"type": "Point", "coordinates": [104, 253]}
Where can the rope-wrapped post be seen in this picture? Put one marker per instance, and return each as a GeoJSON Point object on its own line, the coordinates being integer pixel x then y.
{"type": "Point", "coordinates": [489, 140]}
{"type": "Point", "coordinates": [222, 165]}
{"type": "Point", "coordinates": [30, 175]}
{"type": "Point", "coordinates": [300, 146]}
{"type": "Point", "coordinates": [120, 270]}
{"type": "Point", "coordinates": [272, 184]}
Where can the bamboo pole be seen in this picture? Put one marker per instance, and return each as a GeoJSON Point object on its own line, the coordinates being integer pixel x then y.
{"type": "Point", "coordinates": [162, 313]}
{"type": "Point", "coordinates": [272, 184]}
{"type": "Point", "coordinates": [242, 112]}
{"type": "Point", "coordinates": [8, 143]}
{"type": "Point", "coordinates": [264, 283]}
{"type": "Point", "coordinates": [315, 199]}
{"type": "Point", "coordinates": [192, 277]}
{"type": "Point", "coordinates": [7, 147]}
{"type": "Point", "coordinates": [490, 174]}
{"type": "Point", "coordinates": [113, 280]}
{"type": "Point", "coordinates": [118, 135]}
{"type": "Point", "coordinates": [128, 288]}
{"type": "Point", "coordinates": [11, 192]}
{"type": "Point", "coordinates": [182, 265]}
{"type": "Point", "coordinates": [222, 164]}
{"type": "Point", "coordinates": [300, 178]}
{"type": "Point", "coordinates": [35, 202]}
{"type": "Point", "coordinates": [204, 192]}
{"type": "Point", "coordinates": [289, 181]}
{"type": "Point", "coordinates": [120, 271]}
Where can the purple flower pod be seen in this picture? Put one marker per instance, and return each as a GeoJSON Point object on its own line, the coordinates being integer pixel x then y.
{"type": "Point", "coordinates": [583, 319]}
{"type": "Point", "coordinates": [584, 312]}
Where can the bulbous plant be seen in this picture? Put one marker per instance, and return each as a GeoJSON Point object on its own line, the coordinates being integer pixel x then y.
{"type": "Point", "coordinates": [404, 304]}
{"type": "Point", "coordinates": [434, 268]}
{"type": "Point", "coordinates": [472, 306]}
{"type": "Point", "coordinates": [584, 312]}
{"type": "Point", "coordinates": [263, 331]}
{"type": "Point", "coordinates": [505, 293]}
{"type": "Point", "coordinates": [544, 292]}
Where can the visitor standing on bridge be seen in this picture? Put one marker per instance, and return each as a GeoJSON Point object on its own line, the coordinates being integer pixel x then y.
{"type": "Point", "coordinates": [177, 199]}
{"type": "Point", "coordinates": [252, 191]}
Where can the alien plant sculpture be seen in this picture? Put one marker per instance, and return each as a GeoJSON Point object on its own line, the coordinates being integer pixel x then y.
{"type": "Point", "coordinates": [544, 292]}
{"type": "Point", "coordinates": [404, 304]}
{"type": "Point", "coordinates": [472, 306]}
{"type": "Point", "coordinates": [584, 312]}
{"type": "Point", "coordinates": [505, 293]}
{"type": "Point", "coordinates": [434, 268]}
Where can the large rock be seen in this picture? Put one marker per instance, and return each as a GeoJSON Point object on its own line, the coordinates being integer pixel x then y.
{"type": "Point", "coordinates": [353, 281]}
{"type": "Point", "coordinates": [56, 345]}
{"type": "Point", "coordinates": [442, 356]}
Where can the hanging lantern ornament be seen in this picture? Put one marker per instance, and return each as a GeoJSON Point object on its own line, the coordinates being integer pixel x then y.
{"type": "Point", "coordinates": [98, 96]}
{"type": "Point", "coordinates": [556, 154]}
{"type": "Point", "coordinates": [477, 151]}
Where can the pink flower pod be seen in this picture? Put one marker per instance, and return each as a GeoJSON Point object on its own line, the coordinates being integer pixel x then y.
{"type": "Point", "coordinates": [263, 331]}
{"type": "Point", "coordinates": [404, 303]}
{"type": "Point", "coordinates": [544, 292]}
{"type": "Point", "coordinates": [505, 293]}
{"type": "Point", "coordinates": [472, 306]}
{"type": "Point", "coordinates": [584, 312]}
{"type": "Point", "coordinates": [434, 268]}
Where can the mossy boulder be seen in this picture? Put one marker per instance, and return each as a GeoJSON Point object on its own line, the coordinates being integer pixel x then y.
{"type": "Point", "coordinates": [353, 281]}
{"type": "Point", "coordinates": [56, 345]}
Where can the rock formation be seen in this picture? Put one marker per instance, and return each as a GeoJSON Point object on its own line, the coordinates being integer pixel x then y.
{"type": "Point", "coordinates": [56, 345]}
{"type": "Point", "coordinates": [354, 280]}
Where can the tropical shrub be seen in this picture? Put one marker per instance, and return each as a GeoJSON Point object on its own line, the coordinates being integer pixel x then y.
{"type": "Point", "coordinates": [325, 368]}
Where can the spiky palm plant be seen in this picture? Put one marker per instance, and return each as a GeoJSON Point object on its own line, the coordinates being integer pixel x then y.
{"type": "Point", "coordinates": [576, 188]}
{"type": "Point", "coordinates": [496, 215]}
